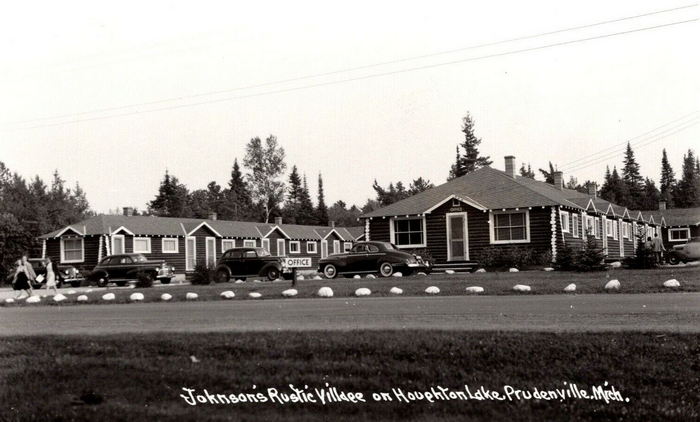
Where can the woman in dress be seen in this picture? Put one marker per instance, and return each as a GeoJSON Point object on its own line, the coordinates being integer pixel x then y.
{"type": "Point", "coordinates": [50, 277]}
{"type": "Point", "coordinates": [21, 281]}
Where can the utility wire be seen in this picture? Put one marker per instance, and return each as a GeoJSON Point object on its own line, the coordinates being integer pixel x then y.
{"type": "Point", "coordinates": [375, 75]}
{"type": "Point", "coordinates": [368, 66]}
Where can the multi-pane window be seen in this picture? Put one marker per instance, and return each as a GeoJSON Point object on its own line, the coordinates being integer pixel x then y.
{"type": "Point", "coordinates": [565, 222]}
{"type": "Point", "coordinates": [249, 243]}
{"type": "Point", "coordinates": [294, 247]}
{"type": "Point", "coordinates": [347, 246]}
{"type": "Point", "coordinates": [169, 245]}
{"type": "Point", "coordinates": [408, 231]}
{"type": "Point", "coordinates": [311, 247]}
{"type": "Point", "coordinates": [678, 235]}
{"type": "Point", "coordinates": [72, 250]}
{"type": "Point", "coordinates": [142, 245]}
{"type": "Point", "coordinates": [510, 227]}
{"type": "Point", "coordinates": [609, 227]}
{"type": "Point", "coordinates": [597, 227]}
{"type": "Point", "coordinates": [227, 244]}
{"type": "Point", "coordinates": [574, 225]}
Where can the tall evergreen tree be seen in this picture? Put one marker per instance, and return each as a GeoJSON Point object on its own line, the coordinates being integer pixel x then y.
{"type": "Point", "coordinates": [614, 189]}
{"type": "Point", "coordinates": [172, 199]}
{"type": "Point", "coordinates": [668, 180]}
{"type": "Point", "coordinates": [548, 175]}
{"type": "Point", "coordinates": [239, 204]}
{"type": "Point", "coordinates": [294, 194]}
{"type": "Point", "coordinates": [470, 159]}
{"type": "Point", "coordinates": [322, 208]}
{"type": "Point", "coordinates": [650, 196]}
{"type": "Point", "coordinates": [632, 179]}
{"type": "Point", "coordinates": [527, 172]}
{"type": "Point", "coordinates": [419, 185]}
{"type": "Point", "coordinates": [456, 168]}
{"type": "Point", "coordinates": [687, 192]}
{"type": "Point", "coordinates": [306, 213]}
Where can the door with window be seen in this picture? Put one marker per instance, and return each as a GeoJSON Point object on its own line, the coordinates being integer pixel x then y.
{"type": "Point", "coordinates": [190, 253]}
{"type": "Point", "coordinates": [117, 244]}
{"type": "Point", "coordinates": [457, 237]}
{"type": "Point", "coordinates": [210, 250]}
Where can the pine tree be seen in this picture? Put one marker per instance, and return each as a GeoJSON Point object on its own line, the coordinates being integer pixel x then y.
{"type": "Point", "coordinates": [470, 160]}
{"type": "Point", "coordinates": [687, 193]}
{"type": "Point", "coordinates": [172, 199]}
{"type": "Point", "coordinates": [294, 194]}
{"type": "Point", "coordinates": [306, 212]}
{"type": "Point", "coordinates": [456, 168]}
{"type": "Point", "coordinates": [419, 185]}
{"type": "Point", "coordinates": [321, 209]}
{"type": "Point", "coordinates": [668, 180]}
{"type": "Point", "coordinates": [650, 196]}
{"type": "Point", "coordinates": [548, 175]}
{"type": "Point", "coordinates": [238, 205]}
{"type": "Point", "coordinates": [614, 189]}
{"type": "Point", "coordinates": [527, 172]}
{"type": "Point", "coordinates": [632, 179]}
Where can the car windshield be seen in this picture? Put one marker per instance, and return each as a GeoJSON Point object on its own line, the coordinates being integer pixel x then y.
{"type": "Point", "coordinates": [138, 258]}
{"type": "Point", "coordinates": [262, 252]}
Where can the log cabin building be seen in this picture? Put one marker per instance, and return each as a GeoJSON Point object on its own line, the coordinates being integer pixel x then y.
{"type": "Point", "coordinates": [187, 242]}
{"type": "Point", "coordinates": [456, 223]}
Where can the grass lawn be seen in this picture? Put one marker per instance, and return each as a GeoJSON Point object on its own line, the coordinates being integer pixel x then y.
{"type": "Point", "coordinates": [494, 283]}
{"type": "Point", "coordinates": [140, 377]}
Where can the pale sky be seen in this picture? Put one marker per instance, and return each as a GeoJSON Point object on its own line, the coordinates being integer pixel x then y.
{"type": "Point", "coordinates": [560, 104]}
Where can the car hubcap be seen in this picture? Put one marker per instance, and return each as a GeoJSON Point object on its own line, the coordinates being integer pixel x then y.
{"type": "Point", "coordinates": [330, 271]}
{"type": "Point", "coordinates": [386, 269]}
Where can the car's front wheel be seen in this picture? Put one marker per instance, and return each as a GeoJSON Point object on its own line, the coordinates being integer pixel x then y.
{"type": "Point", "coordinates": [222, 276]}
{"type": "Point", "coordinates": [673, 260]}
{"type": "Point", "coordinates": [330, 271]}
{"type": "Point", "coordinates": [386, 269]}
{"type": "Point", "coordinates": [273, 274]}
{"type": "Point", "coordinates": [102, 281]}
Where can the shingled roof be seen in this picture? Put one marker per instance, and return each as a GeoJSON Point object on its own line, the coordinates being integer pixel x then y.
{"type": "Point", "coordinates": [168, 226]}
{"type": "Point", "coordinates": [677, 216]}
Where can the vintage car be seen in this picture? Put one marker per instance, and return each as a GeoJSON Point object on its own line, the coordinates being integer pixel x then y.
{"type": "Point", "coordinates": [65, 274]}
{"type": "Point", "coordinates": [131, 266]}
{"type": "Point", "coordinates": [689, 251]}
{"type": "Point", "coordinates": [241, 263]}
{"type": "Point", "coordinates": [372, 257]}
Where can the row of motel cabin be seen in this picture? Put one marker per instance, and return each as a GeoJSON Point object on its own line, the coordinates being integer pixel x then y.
{"type": "Point", "coordinates": [186, 242]}
{"type": "Point", "coordinates": [456, 221]}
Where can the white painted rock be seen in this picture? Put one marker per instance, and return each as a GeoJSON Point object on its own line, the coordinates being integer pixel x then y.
{"type": "Point", "coordinates": [9, 300]}
{"type": "Point", "coordinates": [325, 292]}
{"type": "Point", "coordinates": [421, 273]}
{"type": "Point", "coordinates": [59, 298]}
{"type": "Point", "coordinates": [449, 271]}
{"type": "Point", "coordinates": [396, 291]}
{"type": "Point", "coordinates": [357, 276]}
{"type": "Point", "coordinates": [109, 296]}
{"type": "Point", "coordinates": [33, 299]}
{"type": "Point", "coordinates": [521, 288]}
{"type": "Point", "coordinates": [570, 288]}
{"type": "Point", "coordinates": [513, 270]}
{"type": "Point", "coordinates": [692, 263]}
{"type": "Point", "coordinates": [290, 293]}
{"type": "Point", "coordinates": [548, 269]}
{"type": "Point", "coordinates": [397, 275]}
{"type": "Point", "coordinates": [371, 276]}
{"type": "Point", "coordinates": [88, 291]}
{"type": "Point", "coordinates": [432, 290]}
{"type": "Point", "coordinates": [475, 289]}
{"type": "Point", "coordinates": [480, 270]}
{"type": "Point", "coordinates": [255, 295]}
{"type": "Point", "coordinates": [616, 264]}
{"type": "Point", "coordinates": [71, 292]}
{"type": "Point", "coordinates": [257, 281]}
{"type": "Point", "coordinates": [318, 277]}
{"type": "Point", "coordinates": [191, 296]}
{"type": "Point", "coordinates": [82, 298]}
{"type": "Point", "coordinates": [136, 297]}
{"type": "Point", "coordinates": [239, 281]}
{"type": "Point", "coordinates": [300, 277]}
{"type": "Point", "coordinates": [612, 284]}
{"type": "Point", "coordinates": [672, 283]}
{"type": "Point", "coordinates": [363, 291]}
{"type": "Point", "coordinates": [166, 297]}
{"type": "Point", "coordinates": [228, 294]}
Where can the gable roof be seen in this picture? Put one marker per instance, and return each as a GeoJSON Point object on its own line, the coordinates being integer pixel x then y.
{"type": "Point", "coordinates": [677, 216]}
{"type": "Point", "coordinates": [170, 226]}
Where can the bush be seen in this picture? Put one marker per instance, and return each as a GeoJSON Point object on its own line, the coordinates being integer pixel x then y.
{"type": "Point", "coordinates": [566, 259]}
{"type": "Point", "coordinates": [144, 279]}
{"type": "Point", "coordinates": [202, 275]}
{"type": "Point", "coordinates": [518, 257]}
{"type": "Point", "coordinates": [591, 257]}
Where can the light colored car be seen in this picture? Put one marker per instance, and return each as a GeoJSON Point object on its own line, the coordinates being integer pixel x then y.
{"type": "Point", "coordinates": [689, 251]}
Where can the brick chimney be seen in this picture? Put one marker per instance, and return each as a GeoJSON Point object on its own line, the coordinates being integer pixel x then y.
{"type": "Point", "coordinates": [331, 224]}
{"type": "Point", "coordinates": [212, 216]}
{"type": "Point", "coordinates": [128, 211]}
{"type": "Point", "coordinates": [278, 221]}
{"type": "Point", "coordinates": [593, 189]}
{"type": "Point", "coordinates": [662, 204]}
{"type": "Point", "coordinates": [558, 180]}
{"type": "Point", "coordinates": [510, 166]}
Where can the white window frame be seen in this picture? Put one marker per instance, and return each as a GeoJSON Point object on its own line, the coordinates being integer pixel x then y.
{"type": "Point", "coordinates": [283, 248]}
{"type": "Point", "coordinates": [189, 267]}
{"type": "Point", "coordinates": [492, 227]}
{"type": "Point", "coordinates": [133, 244]}
{"type": "Point", "coordinates": [249, 243]}
{"type": "Point", "coordinates": [266, 244]}
{"type": "Point", "coordinates": [678, 229]}
{"type": "Point", "coordinates": [294, 244]}
{"type": "Point", "coordinates": [63, 250]}
{"type": "Point", "coordinates": [609, 230]}
{"type": "Point", "coordinates": [625, 230]}
{"type": "Point", "coordinates": [207, 242]}
{"type": "Point", "coordinates": [121, 236]}
{"type": "Point", "coordinates": [336, 246]}
{"type": "Point", "coordinates": [324, 242]}
{"type": "Point", "coordinates": [565, 228]}
{"type": "Point", "coordinates": [575, 229]}
{"type": "Point", "coordinates": [347, 246]}
{"type": "Point", "coordinates": [230, 242]}
{"type": "Point", "coordinates": [310, 249]}
{"type": "Point", "coordinates": [615, 230]}
{"type": "Point", "coordinates": [597, 227]}
{"type": "Point", "coordinates": [392, 232]}
{"type": "Point", "coordinates": [168, 239]}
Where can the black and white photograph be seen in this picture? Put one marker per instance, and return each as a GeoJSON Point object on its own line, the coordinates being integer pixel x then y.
{"type": "Point", "coordinates": [349, 211]}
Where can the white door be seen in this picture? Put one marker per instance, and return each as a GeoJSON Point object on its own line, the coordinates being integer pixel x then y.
{"type": "Point", "coordinates": [281, 249]}
{"type": "Point", "coordinates": [336, 246]}
{"type": "Point", "coordinates": [324, 248]}
{"type": "Point", "coordinates": [457, 238]}
{"type": "Point", "coordinates": [210, 249]}
{"type": "Point", "coordinates": [190, 253]}
{"type": "Point", "coordinates": [117, 244]}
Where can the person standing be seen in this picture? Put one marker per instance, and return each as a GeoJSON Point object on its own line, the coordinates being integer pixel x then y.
{"type": "Point", "coordinates": [29, 270]}
{"type": "Point", "coordinates": [50, 277]}
{"type": "Point", "coordinates": [20, 281]}
{"type": "Point", "coordinates": [658, 247]}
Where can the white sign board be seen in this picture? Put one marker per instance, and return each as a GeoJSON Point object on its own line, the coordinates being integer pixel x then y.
{"type": "Point", "coordinates": [297, 262]}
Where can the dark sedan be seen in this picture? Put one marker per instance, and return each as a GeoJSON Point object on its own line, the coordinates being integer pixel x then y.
{"type": "Point", "coordinates": [248, 262]}
{"type": "Point", "coordinates": [122, 268]}
{"type": "Point", "coordinates": [372, 257]}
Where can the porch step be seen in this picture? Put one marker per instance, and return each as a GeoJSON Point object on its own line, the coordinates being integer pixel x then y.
{"type": "Point", "coordinates": [457, 266]}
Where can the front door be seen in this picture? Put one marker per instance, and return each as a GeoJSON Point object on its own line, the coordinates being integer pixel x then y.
{"type": "Point", "coordinates": [210, 249]}
{"type": "Point", "coordinates": [457, 237]}
{"type": "Point", "coordinates": [324, 248]}
{"type": "Point", "coordinates": [190, 253]}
